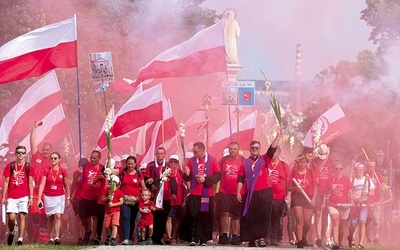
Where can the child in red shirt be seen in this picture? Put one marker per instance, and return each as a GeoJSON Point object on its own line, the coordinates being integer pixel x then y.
{"type": "Point", "coordinates": [146, 206]}
{"type": "Point", "coordinates": [112, 211]}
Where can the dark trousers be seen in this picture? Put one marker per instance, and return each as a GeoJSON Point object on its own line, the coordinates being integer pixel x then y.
{"type": "Point", "coordinates": [275, 229]}
{"type": "Point", "coordinates": [160, 221]}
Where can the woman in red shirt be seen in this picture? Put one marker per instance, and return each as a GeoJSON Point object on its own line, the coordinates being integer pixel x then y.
{"type": "Point", "coordinates": [302, 208]}
{"type": "Point", "coordinates": [54, 185]}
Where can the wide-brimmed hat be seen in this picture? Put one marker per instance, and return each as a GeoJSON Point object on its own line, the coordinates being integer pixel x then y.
{"type": "Point", "coordinates": [322, 151]}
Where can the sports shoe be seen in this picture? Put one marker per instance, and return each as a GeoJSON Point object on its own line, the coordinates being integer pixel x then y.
{"type": "Point", "coordinates": [203, 244]}
{"type": "Point", "coordinates": [236, 241]}
{"type": "Point", "coordinates": [318, 242]}
{"type": "Point", "coordinates": [113, 242]}
{"type": "Point", "coordinates": [192, 242]}
{"type": "Point", "coordinates": [97, 241]}
{"type": "Point", "coordinates": [252, 243]}
{"type": "Point", "coordinates": [335, 247]}
{"type": "Point", "coordinates": [223, 240]}
{"type": "Point", "coordinates": [50, 242]}
{"type": "Point", "coordinates": [125, 242]}
{"type": "Point", "coordinates": [107, 242]}
{"type": "Point", "coordinates": [10, 238]}
{"type": "Point", "coordinates": [20, 243]}
{"type": "Point", "coordinates": [86, 238]}
{"type": "Point", "coordinates": [149, 241]}
{"type": "Point", "coordinates": [57, 242]}
{"type": "Point", "coordinates": [376, 241]}
{"type": "Point", "coordinates": [300, 244]}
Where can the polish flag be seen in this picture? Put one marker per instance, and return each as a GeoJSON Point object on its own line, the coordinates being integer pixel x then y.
{"type": "Point", "coordinates": [37, 101]}
{"type": "Point", "coordinates": [221, 137]}
{"type": "Point", "coordinates": [202, 54]}
{"type": "Point", "coordinates": [159, 132]}
{"type": "Point", "coordinates": [141, 108]}
{"type": "Point", "coordinates": [55, 129]}
{"type": "Point", "coordinates": [330, 125]}
{"type": "Point", "coordinates": [36, 52]}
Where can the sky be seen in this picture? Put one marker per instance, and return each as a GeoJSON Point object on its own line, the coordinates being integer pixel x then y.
{"type": "Point", "coordinates": [329, 31]}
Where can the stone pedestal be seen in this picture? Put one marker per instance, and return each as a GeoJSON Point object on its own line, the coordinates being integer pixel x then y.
{"type": "Point", "coordinates": [233, 69]}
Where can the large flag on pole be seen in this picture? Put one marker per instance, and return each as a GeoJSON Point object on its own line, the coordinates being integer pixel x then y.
{"type": "Point", "coordinates": [36, 52]}
{"type": "Point", "coordinates": [221, 137]}
{"type": "Point", "coordinates": [54, 129]}
{"type": "Point", "coordinates": [202, 54]}
{"type": "Point", "coordinates": [140, 109]}
{"type": "Point", "coordinates": [37, 101]}
{"type": "Point", "coordinates": [330, 125]}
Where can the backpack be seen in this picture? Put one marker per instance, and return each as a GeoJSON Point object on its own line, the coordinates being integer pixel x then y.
{"type": "Point", "coordinates": [124, 172]}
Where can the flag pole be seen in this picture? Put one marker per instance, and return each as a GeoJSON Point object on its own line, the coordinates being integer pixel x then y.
{"type": "Point", "coordinates": [230, 123]}
{"type": "Point", "coordinates": [79, 97]}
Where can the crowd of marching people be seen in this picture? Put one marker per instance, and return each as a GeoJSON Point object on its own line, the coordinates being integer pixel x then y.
{"type": "Point", "coordinates": [196, 200]}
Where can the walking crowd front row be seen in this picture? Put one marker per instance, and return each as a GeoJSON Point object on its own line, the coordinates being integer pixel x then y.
{"type": "Point", "coordinates": [244, 200]}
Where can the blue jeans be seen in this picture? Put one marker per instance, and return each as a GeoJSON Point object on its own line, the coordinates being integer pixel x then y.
{"type": "Point", "coordinates": [128, 214]}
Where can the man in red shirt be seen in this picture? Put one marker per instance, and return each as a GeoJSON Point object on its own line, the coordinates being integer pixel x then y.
{"type": "Point", "coordinates": [226, 201]}
{"type": "Point", "coordinates": [37, 220]}
{"type": "Point", "coordinates": [254, 179]}
{"type": "Point", "coordinates": [202, 171]}
{"type": "Point", "coordinates": [374, 201]}
{"type": "Point", "coordinates": [17, 193]}
{"type": "Point", "coordinates": [89, 208]}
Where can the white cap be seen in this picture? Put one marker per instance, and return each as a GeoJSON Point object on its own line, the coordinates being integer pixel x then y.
{"type": "Point", "coordinates": [143, 166]}
{"type": "Point", "coordinates": [226, 152]}
{"type": "Point", "coordinates": [175, 157]}
{"type": "Point", "coordinates": [115, 179]}
{"type": "Point", "coordinates": [117, 158]}
{"type": "Point", "coordinates": [189, 154]}
{"type": "Point", "coordinates": [125, 156]}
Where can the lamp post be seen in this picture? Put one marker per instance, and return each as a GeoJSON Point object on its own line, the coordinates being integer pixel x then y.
{"type": "Point", "coordinates": [379, 157]}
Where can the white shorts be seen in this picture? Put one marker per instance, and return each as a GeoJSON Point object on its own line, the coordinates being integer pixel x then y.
{"type": "Point", "coordinates": [54, 204]}
{"type": "Point", "coordinates": [343, 213]}
{"type": "Point", "coordinates": [19, 205]}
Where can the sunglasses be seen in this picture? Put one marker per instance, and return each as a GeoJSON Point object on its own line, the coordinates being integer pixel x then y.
{"type": "Point", "coordinates": [255, 148]}
{"type": "Point", "coordinates": [173, 161]}
{"type": "Point", "coordinates": [53, 158]}
{"type": "Point", "coordinates": [20, 153]}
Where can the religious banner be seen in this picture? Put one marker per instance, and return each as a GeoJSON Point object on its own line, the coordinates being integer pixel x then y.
{"type": "Point", "coordinates": [101, 67]}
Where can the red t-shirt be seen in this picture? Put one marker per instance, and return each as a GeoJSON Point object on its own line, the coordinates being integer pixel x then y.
{"type": "Point", "coordinates": [130, 184]}
{"type": "Point", "coordinates": [279, 176]}
{"type": "Point", "coordinates": [229, 170]}
{"type": "Point", "coordinates": [198, 190]}
{"type": "Point", "coordinates": [54, 185]}
{"type": "Point", "coordinates": [263, 181]}
{"type": "Point", "coordinates": [322, 173]}
{"type": "Point", "coordinates": [180, 190]}
{"type": "Point", "coordinates": [146, 219]}
{"type": "Point", "coordinates": [378, 180]}
{"type": "Point", "coordinates": [90, 191]}
{"type": "Point", "coordinates": [41, 165]}
{"type": "Point", "coordinates": [149, 174]}
{"type": "Point", "coordinates": [116, 196]}
{"type": "Point", "coordinates": [338, 189]}
{"type": "Point", "coordinates": [104, 184]}
{"type": "Point", "coordinates": [307, 181]}
{"type": "Point", "coordinates": [18, 185]}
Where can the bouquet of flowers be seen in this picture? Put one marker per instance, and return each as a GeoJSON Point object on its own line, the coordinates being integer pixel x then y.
{"type": "Point", "coordinates": [163, 177]}
{"type": "Point", "coordinates": [110, 178]}
{"type": "Point", "coordinates": [182, 136]}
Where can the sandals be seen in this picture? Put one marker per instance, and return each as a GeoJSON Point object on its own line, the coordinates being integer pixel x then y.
{"type": "Point", "coordinates": [352, 244]}
{"type": "Point", "coordinates": [262, 243]}
{"type": "Point", "coordinates": [360, 246]}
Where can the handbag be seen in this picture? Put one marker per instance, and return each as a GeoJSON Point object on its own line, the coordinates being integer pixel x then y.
{"type": "Point", "coordinates": [130, 200]}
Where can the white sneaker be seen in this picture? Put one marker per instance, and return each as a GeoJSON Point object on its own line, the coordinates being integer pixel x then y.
{"type": "Point", "coordinates": [125, 242]}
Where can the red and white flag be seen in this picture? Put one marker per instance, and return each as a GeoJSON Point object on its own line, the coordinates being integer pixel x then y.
{"type": "Point", "coordinates": [221, 137]}
{"type": "Point", "coordinates": [36, 52]}
{"type": "Point", "coordinates": [55, 128]}
{"type": "Point", "coordinates": [202, 54]}
{"type": "Point", "coordinates": [37, 101]}
{"type": "Point", "coordinates": [159, 132]}
{"type": "Point", "coordinates": [330, 125]}
{"type": "Point", "coordinates": [141, 108]}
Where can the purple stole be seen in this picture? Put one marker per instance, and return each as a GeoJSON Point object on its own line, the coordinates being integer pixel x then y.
{"type": "Point", "coordinates": [205, 196]}
{"type": "Point", "coordinates": [251, 179]}
{"type": "Point", "coordinates": [155, 174]}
